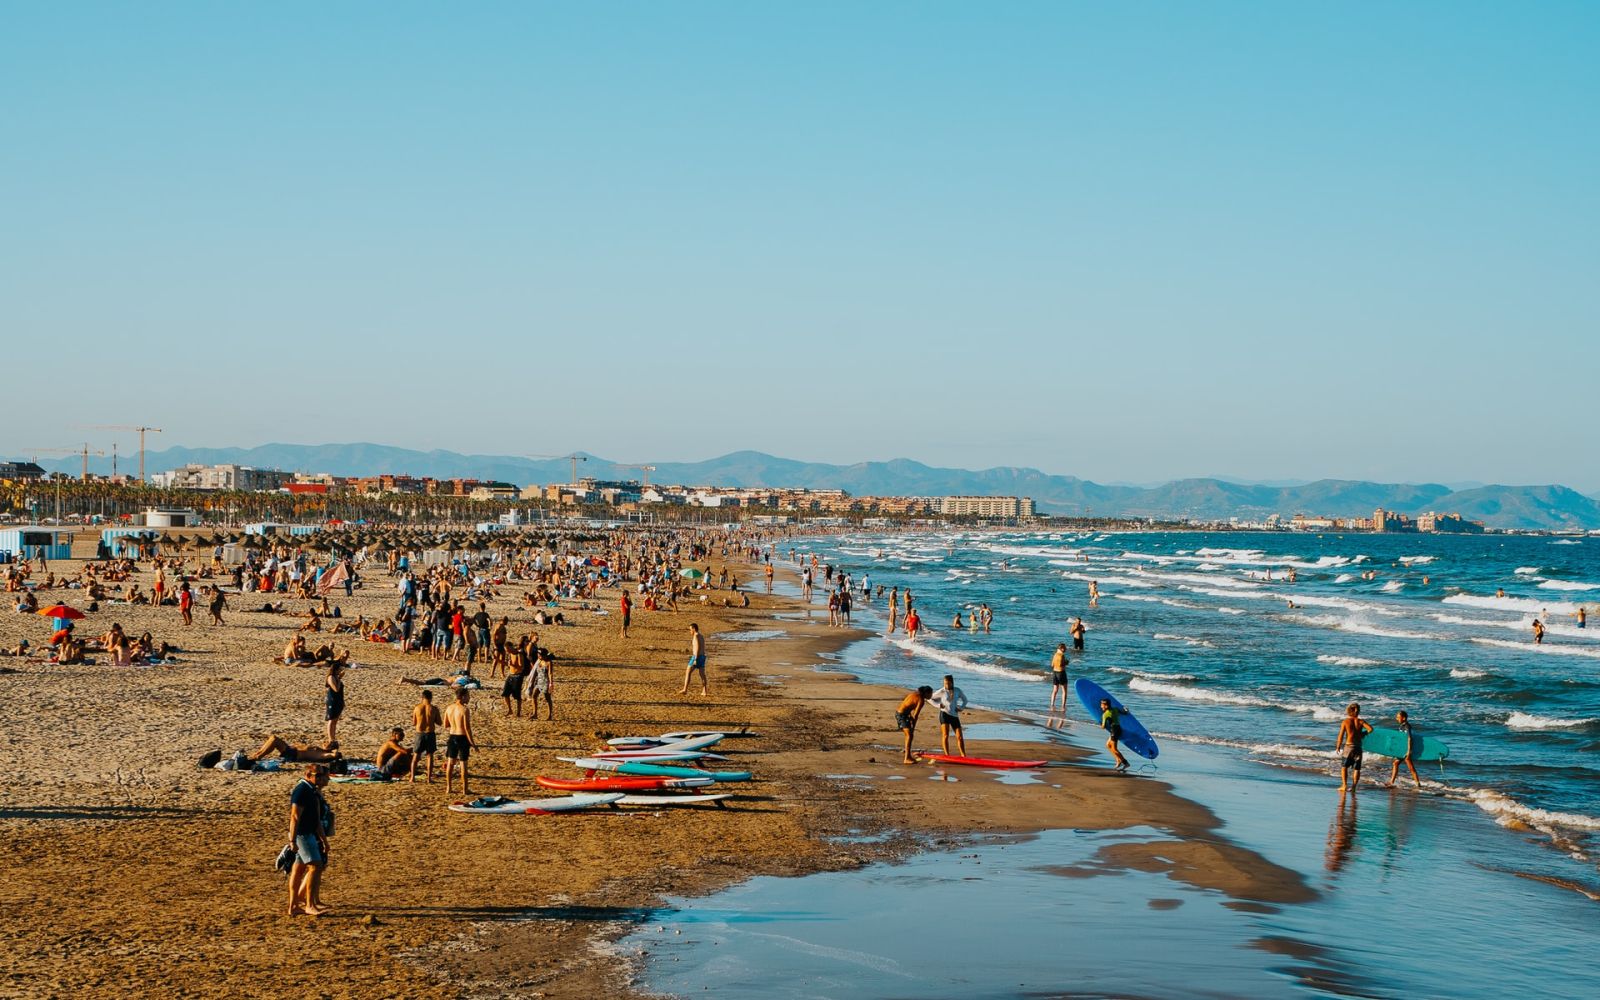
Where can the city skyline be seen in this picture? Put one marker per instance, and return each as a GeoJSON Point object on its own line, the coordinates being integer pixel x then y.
{"type": "Point", "coordinates": [1131, 245]}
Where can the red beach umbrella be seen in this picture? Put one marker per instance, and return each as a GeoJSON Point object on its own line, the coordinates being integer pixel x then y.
{"type": "Point", "coordinates": [61, 611]}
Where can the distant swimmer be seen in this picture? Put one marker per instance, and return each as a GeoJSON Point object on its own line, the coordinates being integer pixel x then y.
{"type": "Point", "coordinates": [1111, 722]}
{"type": "Point", "coordinates": [913, 624]}
{"type": "Point", "coordinates": [1352, 731]}
{"type": "Point", "coordinates": [1077, 632]}
{"type": "Point", "coordinates": [1538, 632]}
{"type": "Point", "coordinates": [985, 617]}
{"type": "Point", "coordinates": [1500, 592]}
{"type": "Point", "coordinates": [1292, 605]}
{"type": "Point", "coordinates": [1403, 723]}
{"type": "Point", "coordinates": [1582, 616]}
{"type": "Point", "coordinates": [955, 621]}
{"type": "Point", "coordinates": [1058, 676]}
{"type": "Point", "coordinates": [1094, 593]}
{"type": "Point", "coordinates": [905, 717]}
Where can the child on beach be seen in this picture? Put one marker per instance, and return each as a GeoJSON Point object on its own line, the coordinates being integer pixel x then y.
{"type": "Point", "coordinates": [1111, 722]}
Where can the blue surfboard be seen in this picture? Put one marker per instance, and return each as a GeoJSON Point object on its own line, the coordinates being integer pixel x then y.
{"type": "Point", "coordinates": [1134, 736]}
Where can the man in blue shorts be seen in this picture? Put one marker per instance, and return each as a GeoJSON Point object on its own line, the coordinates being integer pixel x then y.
{"type": "Point", "coordinates": [310, 843]}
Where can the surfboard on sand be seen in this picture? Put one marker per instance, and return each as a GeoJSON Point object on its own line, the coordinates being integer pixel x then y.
{"type": "Point", "coordinates": [947, 758]}
{"type": "Point", "coordinates": [502, 805]}
{"type": "Point", "coordinates": [1392, 743]}
{"type": "Point", "coordinates": [1134, 736]}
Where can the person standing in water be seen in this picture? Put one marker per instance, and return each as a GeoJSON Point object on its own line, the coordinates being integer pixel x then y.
{"type": "Point", "coordinates": [1077, 632]}
{"type": "Point", "coordinates": [1352, 730]}
{"type": "Point", "coordinates": [1111, 722]}
{"type": "Point", "coordinates": [1538, 632]}
{"type": "Point", "coordinates": [1058, 676]}
{"type": "Point", "coordinates": [1403, 723]}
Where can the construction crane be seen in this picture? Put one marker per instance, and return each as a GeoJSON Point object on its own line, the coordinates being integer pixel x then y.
{"type": "Point", "coordinates": [141, 430]}
{"type": "Point", "coordinates": [646, 469]}
{"type": "Point", "coordinates": [574, 458]}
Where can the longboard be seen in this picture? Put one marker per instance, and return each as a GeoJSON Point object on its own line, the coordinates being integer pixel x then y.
{"type": "Point", "coordinates": [653, 770]}
{"type": "Point", "coordinates": [610, 784]}
{"type": "Point", "coordinates": [1134, 736]}
{"type": "Point", "coordinates": [1392, 743]}
{"type": "Point", "coordinates": [673, 800]}
{"type": "Point", "coordinates": [665, 742]}
{"type": "Point", "coordinates": [520, 806]}
{"type": "Point", "coordinates": [948, 758]}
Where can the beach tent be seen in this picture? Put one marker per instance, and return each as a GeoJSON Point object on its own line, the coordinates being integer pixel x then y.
{"type": "Point", "coordinates": [31, 541]}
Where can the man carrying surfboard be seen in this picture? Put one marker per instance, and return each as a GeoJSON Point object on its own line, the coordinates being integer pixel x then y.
{"type": "Point", "coordinates": [1111, 722]}
{"type": "Point", "coordinates": [951, 701]}
{"type": "Point", "coordinates": [1352, 730]}
{"type": "Point", "coordinates": [905, 717]}
{"type": "Point", "coordinates": [1403, 722]}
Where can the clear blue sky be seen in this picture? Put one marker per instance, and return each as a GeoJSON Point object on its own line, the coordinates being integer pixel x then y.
{"type": "Point", "coordinates": [1124, 241]}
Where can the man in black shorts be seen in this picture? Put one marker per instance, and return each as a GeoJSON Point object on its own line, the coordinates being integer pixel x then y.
{"type": "Point", "coordinates": [951, 701]}
{"type": "Point", "coordinates": [1352, 731]}
{"type": "Point", "coordinates": [458, 742]}
{"type": "Point", "coordinates": [1058, 676]}
{"type": "Point", "coordinates": [905, 717]}
{"type": "Point", "coordinates": [425, 716]}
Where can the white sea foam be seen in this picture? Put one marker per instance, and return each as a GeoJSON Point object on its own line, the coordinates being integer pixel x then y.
{"type": "Point", "coordinates": [1527, 720]}
{"type": "Point", "coordinates": [956, 661]}
{"type": "Point", "coordinates": [1417, 560]}
{"type": "Point", "coordinates": [1468, 675]}
{"type": "Point", "coordinates": [1566, 541]}
{"type": "Point", "coordinates": [755, 635]}
{"type": "Point", "coordinates": [1275, 749]}
{"type": "Point", "coordinates": [1316, 601]}
{"type": "Point", "coordinates": [1344, 578]}
{"type": "Point", "coordinates": [1360, 627]}
{"type": "Point", "coordinates": [1348, 661]}
{"type": "Point", "coordinates": [1152, 675]}
{"type": "Point", "coordinates": [1169, 602]}
{"type": "Point", "coordinates": [1507, 811]}
{"type": "Point", "coordinates": [1224, 698]}
{"type": "Point", "coordinates": [1528, 570]}
{"type": "Point", "coordinates": [1392, 586]}
{"type": "Point", "coordinates": [1169, 637]}
{"type": "Point", "coordinates": [1230, 611]}
{"type": "Point", "coordinates": [1529, 647]}
{"type": "Point", "coordinates": [1568, 585]}
{"type": "Point", "coordinates": [1512, 604]}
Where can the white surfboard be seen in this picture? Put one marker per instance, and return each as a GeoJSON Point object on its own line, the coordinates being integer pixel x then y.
{"type": "Point", "coordinates": [566, 803]}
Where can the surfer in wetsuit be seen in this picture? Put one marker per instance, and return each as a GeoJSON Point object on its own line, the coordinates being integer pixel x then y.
{"type": "Point", "coordinates": [1352, 730]}
{"type": "Point", "coordinates": [1403, 723]}
{"type": "Point", "coordinates": [1111, 722]}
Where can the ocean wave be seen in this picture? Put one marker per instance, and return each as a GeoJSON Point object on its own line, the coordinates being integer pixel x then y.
{"type": "Point", "coordinates": [1566, 541]}
{"type": "Point", "coordinates": [1204, 581]}
{"type": "Point", "coordinates": [1528, 570]}
{"type": "Point", "coordinates": [1317, 601]}
{"type": "Point", "coordinates": [1467, 675]}
{"type": "Point", "coordinates": [1276, 749]}
{"type": "Point", "coordinates": [1527, 720]}
{"type": "Point", "coordinates": [1506, 810]}
{"type": "Point", "coordinates": [1348, 661]}
{"type": "Point", "coordinates": [1360, 627]}
{"type": "Point", "coordinates": [1529, 647]}
{"type": "Point", "coordinates": [1392, 586]}
{"type": "Point", "coordinates": [1512, 604]}
{"type": "Point", "coordinates": [1169, 602]}
{"type": "Point", "coordinates": [1568, 585]}
{"type": "Point", "coordinates": [1416, 560]}
{"type": "Point", "coordinates": [955, 661]}
{"type": "Point", "coordinates": [1224, 698]}
{"type": "Point", "coordinates": [1169, 637]}
{"type": "Point", "coordinates": [1230, 611]}
{"type": "Point", "coordinates": [1152, 675]}
{"type": "Point", "coordinates": [1344, 578]}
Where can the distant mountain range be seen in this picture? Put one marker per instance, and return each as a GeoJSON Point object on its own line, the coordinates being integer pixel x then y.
{"type": "Point", "coordinates": [1525, 507]}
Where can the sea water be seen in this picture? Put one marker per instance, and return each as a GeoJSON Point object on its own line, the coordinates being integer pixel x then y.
{"type": "Point", "coordinates": [1491, 868]}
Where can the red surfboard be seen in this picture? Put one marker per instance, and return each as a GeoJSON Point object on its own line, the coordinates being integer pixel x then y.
{"type": "Point", "coordinates": [949, 758]}
{"type": "Point", "coordinates": [618, 784]}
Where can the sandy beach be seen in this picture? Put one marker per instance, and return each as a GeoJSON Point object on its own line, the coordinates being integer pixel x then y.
{"type": "Point", "coordinates": [132, 869]}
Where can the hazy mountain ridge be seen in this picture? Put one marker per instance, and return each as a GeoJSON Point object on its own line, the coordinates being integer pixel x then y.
{"type": "Point", "coordinates": [1540, 506]}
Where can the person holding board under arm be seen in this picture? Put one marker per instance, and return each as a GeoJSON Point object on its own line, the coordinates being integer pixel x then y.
{"type": "Point", "coordinates": [1403, 723]}
{"type": "Point", "coordinates": [1111, 722]}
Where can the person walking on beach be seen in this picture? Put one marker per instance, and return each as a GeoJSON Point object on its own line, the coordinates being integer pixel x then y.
{"type": "Point", "coordinates": [913, 624]}
{"type": "Point", "coordinates": [697, 661]}
{"type": "Point", "coordinates": [1077, 632]}
{"type": "Point", "coordinates": [1353, 729]}
{"type": "Point", "coordinates": [1094, 593]}
{"type": "Point", "coordinates": [458, 742]}
{"type": "Point", "coordinates": [425, 717]}
{"type": "Point", "coordinates": [333, 698]}
{"type": "Point", "coordinates": [951, 700]}
{"type": "Point", "coordinates": [310, 842]}
{"type": "Point", "coordinates": [1111, 722]}
{"type": "Point", "coordinates": [625, 611]}
{"type": "Point", "coordinates": [1402, 722]}
{"type": "Point", "coordinates": [905, 717]}
{"type": "Point", "coordinates": [186, 603]}
{"type": "Point", "coordinates": [541, 681]}
{"type": "Point", "coordinates": [1058, 676]}
{"type": "Point", "coordinates": [219, 602]}
{"type": "Point", "coordinates": [894, 608]}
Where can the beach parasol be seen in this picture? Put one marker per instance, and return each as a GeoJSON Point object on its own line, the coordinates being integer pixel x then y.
{"type": "Point", "coordinates": [691, 573]}
{"type": "Point", "coordinates": [61, 611]}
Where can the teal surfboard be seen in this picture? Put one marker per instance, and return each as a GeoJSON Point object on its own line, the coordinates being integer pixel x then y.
{"type": "Point", "coordinates": [1392, 743]}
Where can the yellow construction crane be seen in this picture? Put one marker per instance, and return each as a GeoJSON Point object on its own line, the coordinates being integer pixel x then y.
{"type": "Point", "coordinates": [573, 458]}
{"type": "Point", "coordinates": [142, 431]}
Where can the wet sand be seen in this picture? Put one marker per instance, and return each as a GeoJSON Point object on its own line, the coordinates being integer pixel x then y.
{"type": "Point", "coordinates": [132, 870]}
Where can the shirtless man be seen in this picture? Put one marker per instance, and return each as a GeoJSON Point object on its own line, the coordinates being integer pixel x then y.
{"type": "Point", "coordinates": [307, 754]}
{"type": "Point", "coordinates": [697, 661]}
{"type": "Point", "coordinates": [393, 755]}
{"type": "Point", "coordinates": [1352, 730]}
{"type": "Point", "coordinates": [425, 717]}
{"type": "Point", "coordinates": [1077, 632]}
{"type": "Point", "coordinates": [1538, 632]}
{"type": "Point", "coordinates": [1058, 676]}
{"type": "Point", "coordinates": [459, 742]}
{"type": "Point", "coordinates": [905, 717]}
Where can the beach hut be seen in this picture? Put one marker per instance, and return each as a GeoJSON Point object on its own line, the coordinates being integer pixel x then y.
{"type": "Point", "coordinates": [169, 517]}
{"type": "Point", "coordinates": [32, 541]}
{"type": "Point", "coordinates": [135, 542]}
